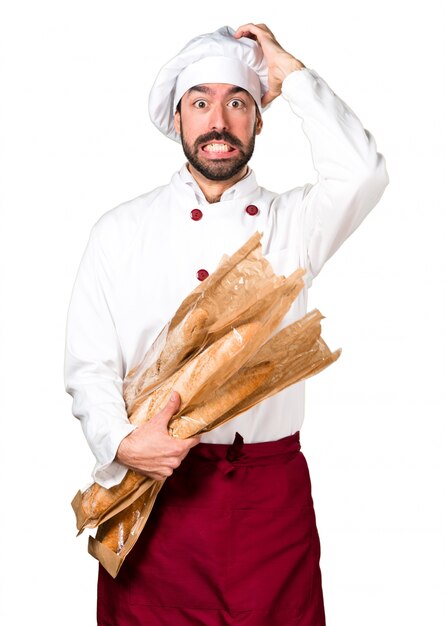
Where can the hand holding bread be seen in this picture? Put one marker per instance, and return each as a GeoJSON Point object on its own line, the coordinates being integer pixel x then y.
{"type": "Point", "coordinates": [150, 450]}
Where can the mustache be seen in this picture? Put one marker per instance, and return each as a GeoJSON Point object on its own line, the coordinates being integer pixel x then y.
{"type": "Point", "coordinates": [217, 136]}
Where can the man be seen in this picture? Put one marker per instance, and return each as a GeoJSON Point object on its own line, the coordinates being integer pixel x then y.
{"type": "Point", "coordinates": [232, 539]}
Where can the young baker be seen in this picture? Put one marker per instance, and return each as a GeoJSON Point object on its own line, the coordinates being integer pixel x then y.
{"type": "Point", "coordinates": [233, 538]}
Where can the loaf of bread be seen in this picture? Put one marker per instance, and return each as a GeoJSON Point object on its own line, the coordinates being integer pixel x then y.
{"type": "Point", "coordinates": [115, 532]}
{"type": "Point", "coordinates": [181, 343]}
{"type": "Point", "coordinates": [96, 500]}
{"type": "Point", "coordinates": [236, 389]}
{"type": "Point", "coordinates": [296, 352]}
{"type": "Point", "coordinates": [211, 367]}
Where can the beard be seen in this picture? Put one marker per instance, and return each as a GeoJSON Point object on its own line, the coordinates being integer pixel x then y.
{"type": "Point", "coordinates": [218, 169]}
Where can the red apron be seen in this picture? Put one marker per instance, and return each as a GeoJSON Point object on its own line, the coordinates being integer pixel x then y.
{"type": "Point", "coordinates": [232, 540]}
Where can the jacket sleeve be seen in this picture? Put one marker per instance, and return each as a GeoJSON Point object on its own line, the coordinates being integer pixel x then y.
{"type": "Point", "coordinates": [93, 363]}
{"type": "Point", "coordinates": [352, 175]}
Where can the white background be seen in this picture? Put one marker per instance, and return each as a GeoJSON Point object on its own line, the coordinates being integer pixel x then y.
{"type": "Point", "coordinates": [76, 141]}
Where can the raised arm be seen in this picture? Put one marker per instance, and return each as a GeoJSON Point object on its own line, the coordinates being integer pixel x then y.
{"type": "Point", "coordinates": [352, 174]}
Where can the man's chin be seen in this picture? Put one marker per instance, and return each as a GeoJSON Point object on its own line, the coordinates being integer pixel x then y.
{"type": "Point", "coordinates": [218, 170]}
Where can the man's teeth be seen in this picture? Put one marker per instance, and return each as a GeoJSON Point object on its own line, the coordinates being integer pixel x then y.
{"type": "Point", "coordinates": [217, 147]}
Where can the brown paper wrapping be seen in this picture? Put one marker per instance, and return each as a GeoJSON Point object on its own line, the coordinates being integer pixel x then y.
{"type": "Point", "coordinates": [121, 533]}
{"type": "Point", "coordinates": [210, 309]}
{"type": "Point", "coordinates": [210, 368]}
{"type": "Point", "coordinates": [219, 354]}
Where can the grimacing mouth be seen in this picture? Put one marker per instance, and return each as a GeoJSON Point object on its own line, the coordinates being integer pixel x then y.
{"type": "Point", "coordinates": [217, 146]}
{"type": "Point", "coordinates": [215, 138]}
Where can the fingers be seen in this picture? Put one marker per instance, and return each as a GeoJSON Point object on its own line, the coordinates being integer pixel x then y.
{"type": "Point", "coordinates": [269, 97]}
{"type": "Point", "coordinates": [151, 450]}
{"type": "Point", "coordinates": [174, 402]}
{"type": "Point", "coordinates": [164, 466]}
{"type": "Point", "coordinates": [186, 446]}
{"type": "Point", "coordinates": [165, 415]}
{"type": "Point", "coordinates": [193, 441]}
{"type": "Point", "coordinates": [162, 477]}
{"type": "Point", "coordinates": [253, 31]}
{"type": "Point", "coordinates": [168, 411]}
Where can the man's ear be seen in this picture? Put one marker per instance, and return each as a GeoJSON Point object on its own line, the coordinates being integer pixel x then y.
{"type": "Point", "coordinates": [177, 121]}
{"type": "Point", "coordinates": [259, 123]}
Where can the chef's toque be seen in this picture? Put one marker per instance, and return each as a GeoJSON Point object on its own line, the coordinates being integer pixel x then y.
{"type": "Point", "coordinates": [211, 58]}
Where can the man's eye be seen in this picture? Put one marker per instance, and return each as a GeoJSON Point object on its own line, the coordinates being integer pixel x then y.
{"type": "Point", "coordinates": [235, 103]}
{"type": "Point", "coordinates": [200, 104]}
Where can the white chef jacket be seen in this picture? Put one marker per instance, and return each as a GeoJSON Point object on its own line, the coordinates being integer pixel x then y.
{"type": "Point", "coordinates": [142, 259]}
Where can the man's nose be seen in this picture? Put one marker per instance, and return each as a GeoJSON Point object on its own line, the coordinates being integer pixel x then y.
{"type": "Point", "coordinates": [218, 119]}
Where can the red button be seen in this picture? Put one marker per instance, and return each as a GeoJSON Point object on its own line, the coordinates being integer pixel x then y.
{"type": "Point", "coordinates": [196, 214]}
{"type": "Point", "coordinates": [252, 209]}
{"type": "Point", "coordinates": [202, 274]}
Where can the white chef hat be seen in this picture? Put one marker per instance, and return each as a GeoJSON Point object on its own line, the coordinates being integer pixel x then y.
{"type": "Point", "coordinates": [211, 58]}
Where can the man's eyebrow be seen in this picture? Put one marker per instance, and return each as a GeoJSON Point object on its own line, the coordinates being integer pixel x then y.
{"type": "Point", "coordinates": [208, 90]}
{"type": "Point", "coordinates": [236, 89]}
{"type": "Point", "coordinates": [200, 89]}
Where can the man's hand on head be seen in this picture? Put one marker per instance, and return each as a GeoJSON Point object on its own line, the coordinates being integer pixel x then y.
{"type": "Point", "coordinates": [150, 450]}
{"type": "Point", "coordinates": [280, 62]}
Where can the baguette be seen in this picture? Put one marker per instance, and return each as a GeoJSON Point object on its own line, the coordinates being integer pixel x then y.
{"type": "Point", "coordinates": [115, 533]}
{"type": "Point", "coordinates": [181, 342]}
{"type": "Point", "coordinates": [296, 353]}
{"type": "Point", "coordinates": [236, 389]}
{"type": "Point", "coordinates": [97, 500]}
{"type": "Point", "coordinates": [205, 369]}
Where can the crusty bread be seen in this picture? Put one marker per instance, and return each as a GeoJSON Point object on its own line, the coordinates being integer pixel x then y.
{"type": "Point", "coordinates": [115, 532]}
{"type": "Point", "coordinates": [228, 395]}
{"type": "Point", "coordinates": [296, 352]}
{"type": "Point", "coordinates": [96, 499]}
{"type": "Point", "coordinates": [190, 379]}
{"type": "Point", "coordinates": [182, 341]}
{"type": "Point", "coordinates": [216, 364]}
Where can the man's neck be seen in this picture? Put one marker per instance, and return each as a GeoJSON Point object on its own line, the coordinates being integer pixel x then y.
{"type": "Point", "coordinates": [214, 189]}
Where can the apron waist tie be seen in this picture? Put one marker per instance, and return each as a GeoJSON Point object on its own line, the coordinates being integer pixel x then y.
{"type": "Point", "coordinates": [229, 456]}
{"type": "Point", "coordinates": [234, 453]}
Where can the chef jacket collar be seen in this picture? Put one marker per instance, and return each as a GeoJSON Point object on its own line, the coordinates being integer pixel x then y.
{"type": "Point", "coordinates": [240, 189]}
